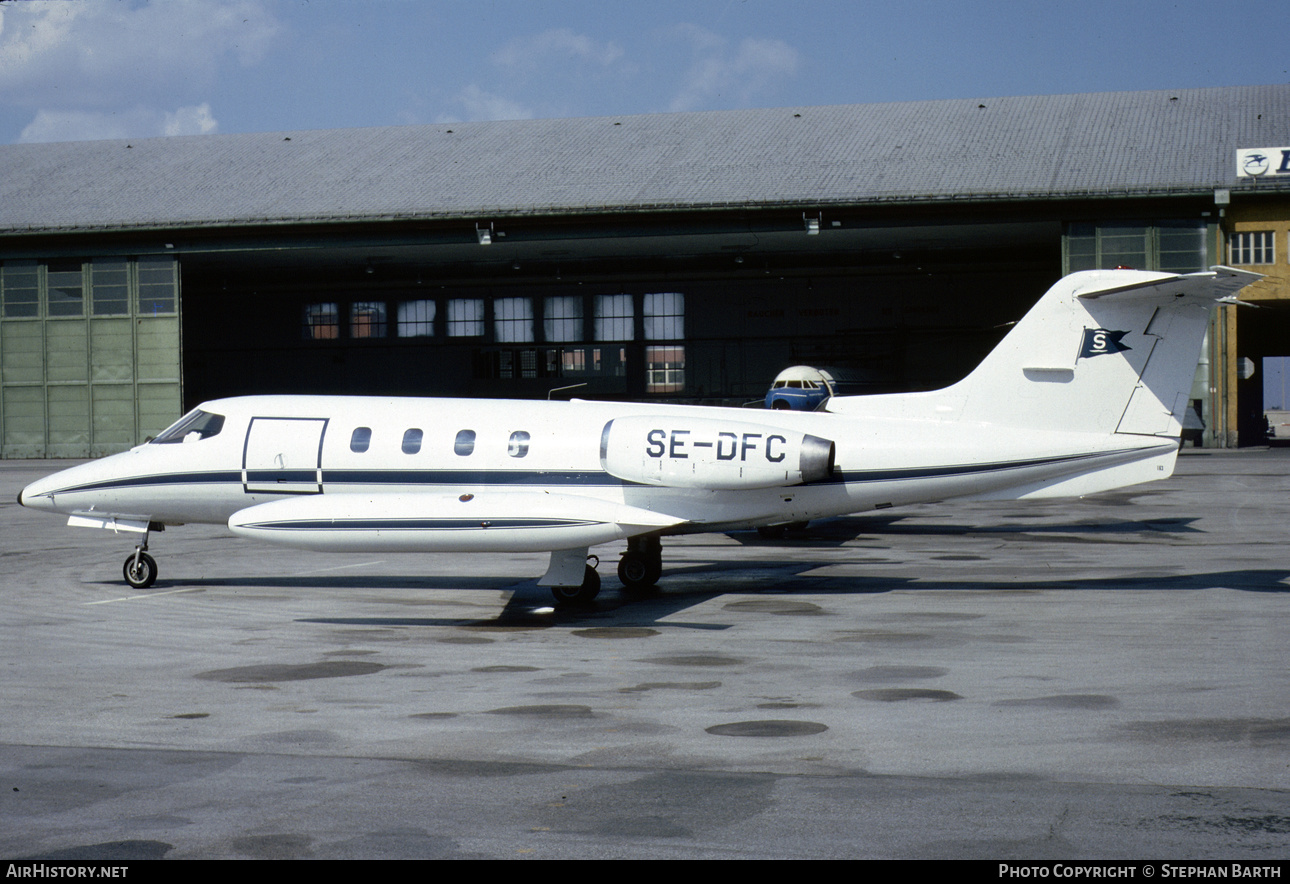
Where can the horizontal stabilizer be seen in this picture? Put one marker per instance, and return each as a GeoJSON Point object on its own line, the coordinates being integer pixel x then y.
{"type": "Point", "coordinates": [1213, 285]}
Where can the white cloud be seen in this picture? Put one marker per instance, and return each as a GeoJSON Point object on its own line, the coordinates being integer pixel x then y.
{"type": "Point", "coordinates": [482, 105]}
{"type": "Point", "coordinates": [529, 53]}
{"type": "Point", "coordinates": [738, 76]}
{"type": "Point", "coordinates": [96, 53]}
{"type": "Point", "coordinates": [137, 122]}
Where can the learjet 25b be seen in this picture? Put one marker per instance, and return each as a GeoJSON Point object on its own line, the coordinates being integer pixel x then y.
{"type": "Point", "coordinates": [1084, 394]}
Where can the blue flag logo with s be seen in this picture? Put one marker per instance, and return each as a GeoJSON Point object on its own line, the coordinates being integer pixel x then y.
{"type": "Point", "coordinates": [1100, 341]}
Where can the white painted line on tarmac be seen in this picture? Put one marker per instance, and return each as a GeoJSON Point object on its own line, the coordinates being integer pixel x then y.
{"type": "Point", "coordinates": [342, 567]}
{"type": "Point", "coordinates": [150, 595]}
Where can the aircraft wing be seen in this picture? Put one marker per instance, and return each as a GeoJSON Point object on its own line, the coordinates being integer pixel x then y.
{"type": "Point", "coordinates": [490, 521]}
{"type": "Point", "coordinates": [1213, 284]}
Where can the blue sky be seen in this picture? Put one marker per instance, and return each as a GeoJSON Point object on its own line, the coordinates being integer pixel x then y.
{"type": "Point", "coordinates": [86, 69]}
{"type": "Point", "coordinates": [76, 69]}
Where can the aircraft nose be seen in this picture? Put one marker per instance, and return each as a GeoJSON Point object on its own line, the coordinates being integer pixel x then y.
{"type": "Point", "coordinates": [38, 495]}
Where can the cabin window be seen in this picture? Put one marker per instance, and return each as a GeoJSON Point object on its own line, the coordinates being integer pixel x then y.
{"type": "Point", "coordinates": [465, 444]}
{"type": "Point", "coordinates": [519, 444]}
{"type": "Point", "coordinates": [360, 440]}
{"type": "Point", "coordinates": [411, 441]}
{"type": "Point", "coordinates": [195, 425]}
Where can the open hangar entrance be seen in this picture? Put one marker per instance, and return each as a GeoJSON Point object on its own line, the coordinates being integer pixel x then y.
{"type": "Point", "coordinates": [683, 308]}
{"type": "Point", "coordinates": [1262, 335]}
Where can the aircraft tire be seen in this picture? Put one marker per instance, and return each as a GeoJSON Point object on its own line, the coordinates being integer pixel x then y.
{"type": "Point", "coordinates": [579, 595]}
{"type": "Point", "coordinates": [639, 571]}
{"type": "Point", "coordinates": [144, 574]}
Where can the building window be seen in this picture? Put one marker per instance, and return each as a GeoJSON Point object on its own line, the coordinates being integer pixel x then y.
{"type": "Point", "coordinates": [1175, 246]}
{"type": "Point", "coordinates": [665, 316]}
{"type": "Point", "coordinates": [20, 288]}
{"type": "Point", "coordinates": [321, 322]}
{"type": "Point", "coordinates": [367, 319]}
{"type": "Point", "coordinates": [1123, 245]}
{"type": "Point", "coordinates": [65, 287]}
{"type": "Point", "coordinates": [464, 445]}
{"type": "Point", "coordinates": [412, 441]}
{"type": "Point", "coordinates": [615, 318]}
{"type": "Point", "coordinates": [110, 287]}
{"type": "Point", "coordinates": [664, 369]}
{"type": "Point", "coordinates": [1180, 246]}
{"type": "Point", "coordinates": [157, 285]}
{"type": "Point", "coordinates": [1254, 247]}
{"type": "Point", "coordinates": [562, 319]}
{"type": "Point", "coordinates": [466, 318]}
{"type": "Point", "coordinates": [416, 319]}
{"type": "Point", "coordinates": [360, 440]}
{"type": "Point", "coordinates": [518, 446]}
{"type": "Point", "coordinates": [513, 320]}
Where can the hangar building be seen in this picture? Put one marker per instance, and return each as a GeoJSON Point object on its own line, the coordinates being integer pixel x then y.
{"type": "Point", "coordinates": [680, 257]}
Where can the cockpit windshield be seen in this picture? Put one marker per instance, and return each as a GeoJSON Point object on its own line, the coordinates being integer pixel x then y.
{"type": "Point", "coordinates": [197, 424]}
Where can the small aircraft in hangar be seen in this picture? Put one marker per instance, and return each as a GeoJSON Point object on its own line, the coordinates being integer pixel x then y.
{"type": "Point", "coordinates": [1085, 394]}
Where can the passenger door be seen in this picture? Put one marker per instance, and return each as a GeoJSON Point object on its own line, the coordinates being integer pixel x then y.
{"type": "Point", "coordinates": [283, 455]}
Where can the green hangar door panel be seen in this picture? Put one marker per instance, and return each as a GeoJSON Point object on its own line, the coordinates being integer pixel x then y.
{"type": "Point", "coordinates": [283, 455]}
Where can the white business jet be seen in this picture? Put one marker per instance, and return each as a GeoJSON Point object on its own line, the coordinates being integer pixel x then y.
{"type": "Point", "coordinates": [1086, 393]}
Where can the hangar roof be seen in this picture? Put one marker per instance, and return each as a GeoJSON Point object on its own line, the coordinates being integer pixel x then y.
{"type": "Point", "coordinates": [1040, 147]}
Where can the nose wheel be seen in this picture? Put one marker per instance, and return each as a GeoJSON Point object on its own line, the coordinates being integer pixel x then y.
{"type": "Point", "coordinates": [140, 569]}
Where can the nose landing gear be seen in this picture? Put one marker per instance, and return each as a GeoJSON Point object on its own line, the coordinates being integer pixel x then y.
{"type": "Point", "coordinates": [140, 569]}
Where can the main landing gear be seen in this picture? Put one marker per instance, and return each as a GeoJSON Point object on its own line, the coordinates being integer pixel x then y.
{"type": "Point", "coordinates": [140, 569]}
{"type": "Point", "coordinates": [642, 565]}
{"type": "Point", "coordinates": [586, 592]}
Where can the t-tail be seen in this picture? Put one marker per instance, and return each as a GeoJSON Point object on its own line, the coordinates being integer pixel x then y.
{"type": "Point", "coordinates": [1105, 359]}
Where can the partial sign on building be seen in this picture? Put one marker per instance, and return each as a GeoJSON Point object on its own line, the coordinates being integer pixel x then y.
{"type": "Point", "coordinates": [1261, 162]}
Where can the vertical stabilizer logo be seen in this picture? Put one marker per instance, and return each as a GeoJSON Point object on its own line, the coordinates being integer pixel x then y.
{"type": "Point", "coordinates": [1100, 341]}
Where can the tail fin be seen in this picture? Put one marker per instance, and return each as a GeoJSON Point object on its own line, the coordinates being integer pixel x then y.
{"type": "Point", "coordinates": [1104, 351]}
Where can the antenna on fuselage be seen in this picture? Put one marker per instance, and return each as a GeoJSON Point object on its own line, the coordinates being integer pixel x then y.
{"type": "Point", "coordinates": [559, 389]}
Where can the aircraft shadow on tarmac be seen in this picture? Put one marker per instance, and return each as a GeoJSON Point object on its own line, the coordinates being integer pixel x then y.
{"type": "Point", "coordinates": [684, 586]}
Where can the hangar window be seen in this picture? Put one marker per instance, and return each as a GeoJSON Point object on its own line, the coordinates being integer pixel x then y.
{"type": "Point", "coordinates": [1180, 246]}
{"type": "Point", "coordinates": [110, 287]}
{"type": "Point", "coordinates": [562, 319]}
{"type": "Point", "coordinates": [416, 319]}
{"type": "Point", "coordinates": [615, 318]}
{"type": "Point", "coordinates": [664, 369]}
{"type": "Point", "coordinates": [65, 288]}
{"type": "Point", "coordinates": [464, 445]}
{"type": "Point", "coordinates": [411, 441]}
{"type": "Point", "coordinates": [518, 446]}
{"type": "Point", "coordinates": [513, 320]}
{"type": "Point", "coordinates": [321, 322]}
{"type": "Point", "coordinates": [360, 440]}
{"type": "Point", "coordinates": [1176, 246]}
{"type": "Point", "coordinates": [465, 317]}
{"type": "Point", "coordinates": [367, 319]}
{"type": "Point", "coordinates": [20, 286]}
{"type": "Point", "coordinates": [157, 285]}
{"type": "Point", "coordinates": [1254, 247]}
{"type": "Point", "coordinates": [665, 316]}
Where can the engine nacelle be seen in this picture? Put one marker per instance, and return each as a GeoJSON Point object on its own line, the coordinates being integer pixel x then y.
{"type": "Point", "coordinates": [680, 452]}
